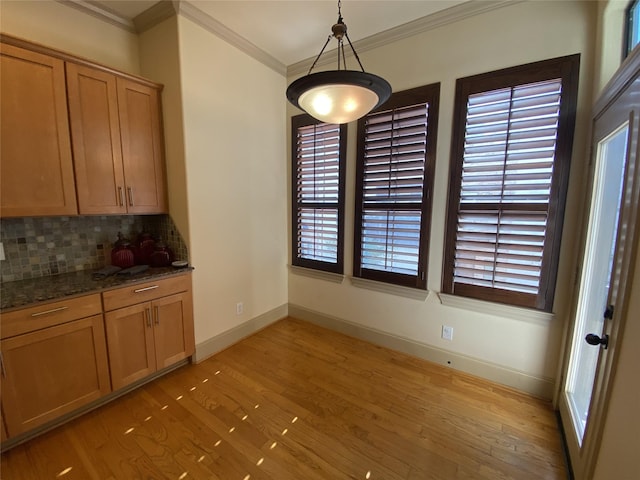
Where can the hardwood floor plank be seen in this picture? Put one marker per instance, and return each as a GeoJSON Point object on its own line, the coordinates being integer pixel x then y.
{"type": "Point", "coordinates": [296, 401]}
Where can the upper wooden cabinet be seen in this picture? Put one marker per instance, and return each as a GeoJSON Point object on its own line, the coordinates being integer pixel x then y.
{"type": "Point", "coordinates": [111, 136]}
{"type": "Point", "coordinates": [36, 168]}
{"type": "Point", "coordinates": [142, 147]}
{"type": "Point", "coordinates": [117, 143]}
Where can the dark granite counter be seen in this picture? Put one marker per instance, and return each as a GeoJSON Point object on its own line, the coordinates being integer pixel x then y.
{"type": "Point", "coordinates": [24, 293]}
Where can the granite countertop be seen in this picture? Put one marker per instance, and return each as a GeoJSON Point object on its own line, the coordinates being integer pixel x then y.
{"type": "Point", "coordinates": [24, 293]}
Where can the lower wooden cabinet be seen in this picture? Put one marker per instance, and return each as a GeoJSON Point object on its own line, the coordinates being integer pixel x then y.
{"type": "Point", "coordinates": [58, 357]}
{"type": "Point", "coordinates": [53, 371]}
{"type": "Point", "coordinates": [148, 336]}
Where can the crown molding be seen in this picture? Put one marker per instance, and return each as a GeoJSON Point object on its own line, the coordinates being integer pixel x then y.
{"type": "Point", "coordinates": [212, 25]}
{"type": "Point", "coordinates": [166, 8]}
{"type": "Point", "coordinates": [420, 25]}
{"type": "Point", "coordinates": [156, 14]}
{"type": "Point", "coordinates": [101, 13]}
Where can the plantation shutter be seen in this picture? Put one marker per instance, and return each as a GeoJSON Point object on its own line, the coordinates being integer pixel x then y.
{"type": "Point", "coordinates": [318, 196]}
{"type": "Point", "coordinates": [509, 153]}
{"type": "Point", "coordinates": [395, 149]}
{"type": "Point", "coordinates": [506, 211]}
{"type": "Point", "coordinates": [392, 187]}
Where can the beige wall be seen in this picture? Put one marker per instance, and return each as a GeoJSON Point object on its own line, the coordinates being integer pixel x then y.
{"type": "Point", "coordinates": [517, 34]}
{"type": "Point", "coordinates": [234, 134]}
{"type": "Point", "coordinates": [57, 26]}
{"type": "Point", "coordinates": [160, 60]}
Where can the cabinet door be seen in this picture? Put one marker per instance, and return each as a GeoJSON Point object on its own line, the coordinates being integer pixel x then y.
{"type": "Point", "coordinates": [36, 172]}
{"type": "Point", "coordinates": [173, 328]}
{"type": "Point", "coordinates": [53, 371]}
{"type": "Point", "coordinates": [95, 129]}
{"type": "Point", "coordinates": [142, 147]}
{"type": "Point", "coordinates": [5, 435]}
{"type": "Point", "coordinates": [130, 342]}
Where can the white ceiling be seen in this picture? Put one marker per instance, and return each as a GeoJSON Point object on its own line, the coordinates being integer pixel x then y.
{"type": "Point", "coordinates": [295, 30]}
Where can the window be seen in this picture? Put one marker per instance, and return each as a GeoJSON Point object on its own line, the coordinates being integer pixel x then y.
{"type": "Point", "coordinates": [632, 23]}
{"type": "Point", "coordinates": [394, 183]}
{"type": "Point", "coordinates": [318, 165]}
{"type": "Point", "coordinates": [511, 152]}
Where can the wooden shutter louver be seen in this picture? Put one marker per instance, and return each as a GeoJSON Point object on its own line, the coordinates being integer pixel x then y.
{"type": "Point", "coordinates": [393, 188]}
{"type": "Point", "coordinates": [507, 170]}
{"type": "Point", "coordinates": [390, 241]}
{"type": "Point", "coordinates": [317, 192]}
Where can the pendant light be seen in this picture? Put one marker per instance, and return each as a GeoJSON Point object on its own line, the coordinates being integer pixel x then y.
{"type": "Point", "coordinates": [339, 96]}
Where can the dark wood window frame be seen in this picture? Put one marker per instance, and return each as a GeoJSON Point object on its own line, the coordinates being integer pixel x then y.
{"type": "Point", "coordinates": [429, 96]}
{"type": "Point", "coordinates": [629, 27]}
{"type": "Point", "coordinates": [298, 203]}
{"type": "Point", "coordinates": [566, 69]}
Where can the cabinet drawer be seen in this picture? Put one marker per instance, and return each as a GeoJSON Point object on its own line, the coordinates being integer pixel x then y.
{"type": "Point", "coordinates": [144, 292]}
{"type": "Point", "coordinates": [50, 314]}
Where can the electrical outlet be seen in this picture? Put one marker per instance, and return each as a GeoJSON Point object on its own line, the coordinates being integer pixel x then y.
{"type": "Point", "coordinates": [447, 332]}
{"type": "Point", "coordinates": [239, 308]}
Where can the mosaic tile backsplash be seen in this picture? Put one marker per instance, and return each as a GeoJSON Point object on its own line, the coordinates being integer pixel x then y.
{"type": "Point", "coordinates": [43, 246]}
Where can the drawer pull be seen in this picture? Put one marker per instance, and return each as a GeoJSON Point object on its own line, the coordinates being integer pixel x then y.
{"type": "Point", "coordinates": [46, 312]}
{"type": "Point", "coordinates": [145, 289]}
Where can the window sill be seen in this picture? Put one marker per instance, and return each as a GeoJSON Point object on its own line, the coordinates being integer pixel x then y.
{"type": "Point", "coordinates": [318, 274]}
{"type": "Point", "coordinates": [518, 313]}
{"type": "Point", "coordinates": [389, 288]}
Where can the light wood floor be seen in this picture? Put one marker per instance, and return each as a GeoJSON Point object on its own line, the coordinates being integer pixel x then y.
{"type": "Point", "coordinates": [296, 401]}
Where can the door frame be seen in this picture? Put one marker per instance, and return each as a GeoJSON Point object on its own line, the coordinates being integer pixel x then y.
{"type": "Point", "coordinates": [626, 247]}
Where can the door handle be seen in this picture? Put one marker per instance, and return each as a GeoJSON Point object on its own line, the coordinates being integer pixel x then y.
{"type": "Point", "coordinates": [593, 339]}
{"type": "Point", "coordinates": [47, 312]}
{"type": "Point", "coordinates": [146, 289]}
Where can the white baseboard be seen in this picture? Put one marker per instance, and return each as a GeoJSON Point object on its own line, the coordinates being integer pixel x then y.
{"type": "Point", "coordinates": [542, 387]}
{"type": "Point", "coordinates": [218, 343]}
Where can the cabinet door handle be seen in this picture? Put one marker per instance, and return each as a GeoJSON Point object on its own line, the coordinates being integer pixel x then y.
{"type": "Point", "coordinates": [4, 372]}
{"type": "Point", "coordinates": [46, 312]}
{"type": "Point", "coordinates": [130, 192]}
{"type": "Point", "coordinates": [148, 312]}
{"type": "Point", "coordinates": [120, 197]}
{"type": "Point", "coordinates": [157, 316]}
{"type": "Point", "coordinates": [140, 290]}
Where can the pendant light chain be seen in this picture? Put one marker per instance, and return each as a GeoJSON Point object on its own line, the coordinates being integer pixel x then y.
{"type": "Point", "coordinates": [320, 54]}
{"type": "Point", "coordinates": [355, 54]}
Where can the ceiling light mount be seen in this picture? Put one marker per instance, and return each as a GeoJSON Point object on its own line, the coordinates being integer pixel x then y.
{"type": "Point", "coordinates": [339, 96]}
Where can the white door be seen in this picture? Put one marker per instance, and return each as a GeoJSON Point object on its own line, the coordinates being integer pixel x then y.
{"type": "Point", "coordinates": [610, 241]}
